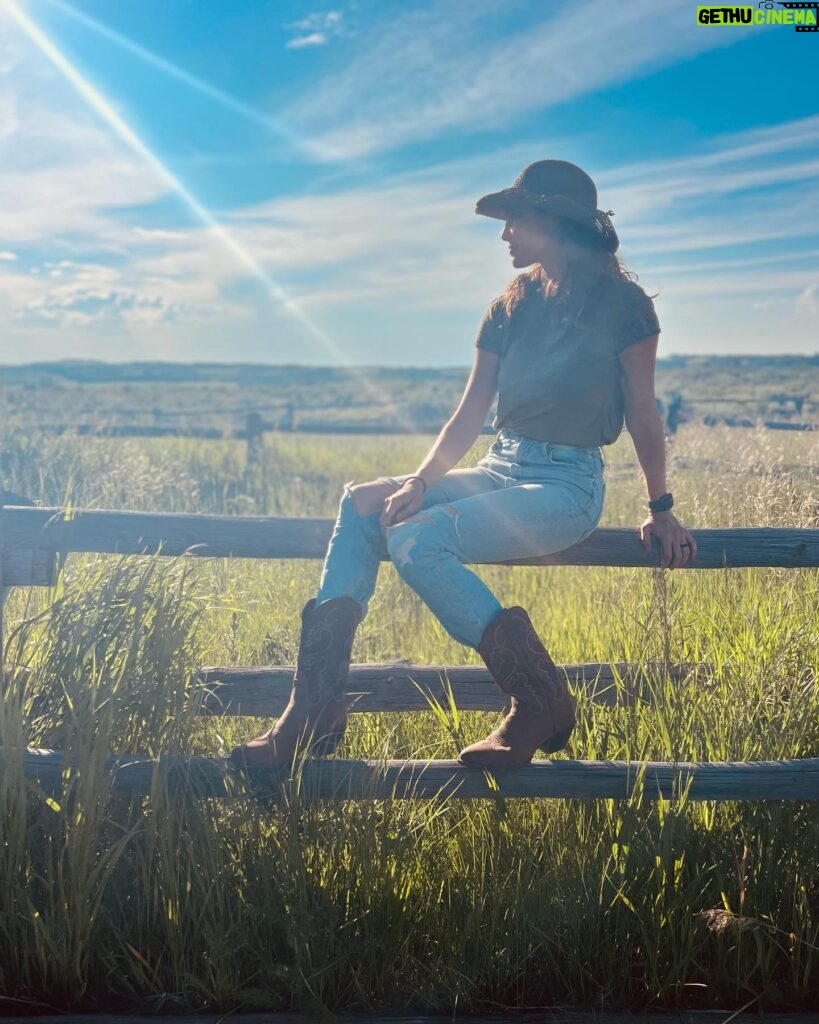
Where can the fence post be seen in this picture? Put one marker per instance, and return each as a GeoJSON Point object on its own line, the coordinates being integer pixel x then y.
{"type": "Point", "coordinates": [287, 418]}
{"type": "Point", "coordinates": [673, 412]}
{"type": "Point", "coordinates": [253, 430]}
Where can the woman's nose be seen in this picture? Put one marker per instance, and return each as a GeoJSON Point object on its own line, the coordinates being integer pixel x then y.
{"type": "Point", "coordinates": [507, 234]}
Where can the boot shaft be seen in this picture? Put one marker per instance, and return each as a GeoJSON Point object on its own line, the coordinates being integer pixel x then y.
{"type": "Point", "coordinates": [518, 661]}
{"type": "Point", "coordinates": [327, 633]}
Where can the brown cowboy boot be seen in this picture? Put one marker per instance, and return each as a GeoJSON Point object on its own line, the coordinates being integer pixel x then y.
{"type": "Point", "coordinates": [316, 716]}
{"type": "Point", "coordinates": [542, 714]}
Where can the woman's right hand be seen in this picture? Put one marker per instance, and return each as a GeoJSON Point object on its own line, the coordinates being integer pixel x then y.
{"type": "Point", "coordinates": [402, 504]}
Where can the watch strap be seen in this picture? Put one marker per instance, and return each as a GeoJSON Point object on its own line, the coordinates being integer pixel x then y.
{"type": "Point", "coordinates": [662, 504]}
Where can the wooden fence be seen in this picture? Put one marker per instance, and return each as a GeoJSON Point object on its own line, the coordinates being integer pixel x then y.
{"type": "Point", "coordinates": [33, 539]}
{"type": "Point", "coordinates": [256, 427]}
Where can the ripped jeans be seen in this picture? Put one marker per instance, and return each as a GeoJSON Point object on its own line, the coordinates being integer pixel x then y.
{"type": "Point", "coordinates": [523, 498]}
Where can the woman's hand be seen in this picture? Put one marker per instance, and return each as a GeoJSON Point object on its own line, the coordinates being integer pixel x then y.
{"type": "Point", "coordinates": [402, 504]}
{"type": "Point", "coordinates": [678, 546]}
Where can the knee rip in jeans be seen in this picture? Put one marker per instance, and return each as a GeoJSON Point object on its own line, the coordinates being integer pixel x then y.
{"type": "Point", "coordinates": [402, 538]}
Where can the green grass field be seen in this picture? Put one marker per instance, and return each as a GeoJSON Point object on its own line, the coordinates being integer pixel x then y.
{"type": "Point", "coordinates": [429, 906]}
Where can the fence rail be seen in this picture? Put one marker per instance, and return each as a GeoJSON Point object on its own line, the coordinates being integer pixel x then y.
{"type": "Point", "coordinates": [551, 1016]}
{"type": "Point", "coordinates": [32, 538]}
{"type": "Point", "coordinates": [428, 780]}
{"type": "Point", "coordinates": [128, 533]}
{"type": "Point", "coordinates": [255, 429]}
{"type": "Point", "coordinates": [395, 686]}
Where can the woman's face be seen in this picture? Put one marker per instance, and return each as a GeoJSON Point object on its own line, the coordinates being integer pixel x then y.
{"type": "Point", "coordinates": [530, 240]}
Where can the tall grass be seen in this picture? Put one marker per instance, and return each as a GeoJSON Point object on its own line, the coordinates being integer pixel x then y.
{"type": "Point", "coordinates": [168, 903]}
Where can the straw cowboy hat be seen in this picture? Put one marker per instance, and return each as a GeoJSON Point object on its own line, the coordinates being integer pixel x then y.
{"type": "Point", "coordinates": [556, 187]}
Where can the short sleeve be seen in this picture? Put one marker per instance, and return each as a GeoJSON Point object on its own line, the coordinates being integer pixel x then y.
{"type": "Point", "coordinates": [492, 332]}
{"type": "Point", "coordinates": [638, 319]}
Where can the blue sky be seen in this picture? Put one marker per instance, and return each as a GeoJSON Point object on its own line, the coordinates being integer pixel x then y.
{"type": "Point", "coordinates": [264, 181]}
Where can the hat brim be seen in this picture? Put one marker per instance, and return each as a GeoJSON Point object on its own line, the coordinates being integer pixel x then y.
{"type": "Point", "coordinates": [514, 200]}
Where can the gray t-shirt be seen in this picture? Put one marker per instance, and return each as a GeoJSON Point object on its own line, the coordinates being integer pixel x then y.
{"type": "Point", "coordinates": [559, 374]}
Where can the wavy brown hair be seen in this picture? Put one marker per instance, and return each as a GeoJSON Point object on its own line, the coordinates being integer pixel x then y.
{"type": "Point", "coordinates": [589, 246]}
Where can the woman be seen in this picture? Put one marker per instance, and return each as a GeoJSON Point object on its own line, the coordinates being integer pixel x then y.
{"type": "Point", "coordinates": [569, 349]}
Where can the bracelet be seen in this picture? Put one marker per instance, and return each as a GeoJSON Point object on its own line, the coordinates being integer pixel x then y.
{"type": "Point", "coordinates": [423, 481]}
{"type": "Point", "coordinates": [662, 504]}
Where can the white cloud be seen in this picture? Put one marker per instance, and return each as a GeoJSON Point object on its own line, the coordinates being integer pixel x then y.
{"type": "Point", "coordinates": [65, 186]}
{"type": "Point", "coordinates": [314, 39]}
{"type": "Point", "coordinates": [748, 189]}
{"type": "Point", "coordinates": [93, 307]}
{"type": "Point", "coordinates": [158, 234]}
{"type": "Point", "coordinates": [413, 246]}
{"type": "Point", "coordinates": [317, 21]}
{"type": "Point", "coordinates": [808, 300]}
{"type": "Point", "coordinates": [316, 29]}
{"type": "Point", "coordinates": [93, 295]}
{"type": "Point", "coordinates": [433, 68]}
{"type": "Point", "coordinates": [710, 229]}
{"type": "Point", "coordinates": [73, 161]}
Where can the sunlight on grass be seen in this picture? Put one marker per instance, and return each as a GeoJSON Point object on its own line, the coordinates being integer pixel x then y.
{"type": "Point", "coordinates": [167, 903]}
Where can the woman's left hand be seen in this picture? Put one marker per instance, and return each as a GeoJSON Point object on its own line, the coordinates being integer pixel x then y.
{"type": "Point", "coordinates": [678, 546]}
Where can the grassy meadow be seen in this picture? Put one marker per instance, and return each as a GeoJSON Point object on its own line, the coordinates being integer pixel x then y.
{"type": "Point", "coordinates": [442, 905]}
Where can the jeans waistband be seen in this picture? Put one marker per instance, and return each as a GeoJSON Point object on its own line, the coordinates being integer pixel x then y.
{"type": "Point", "coordinates": [511, 439]}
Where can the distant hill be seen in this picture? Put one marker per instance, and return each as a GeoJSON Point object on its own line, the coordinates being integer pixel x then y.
{"type": "Point", "coordinates": [82, 371]}
{"type": "Point", "coordinates": [218, 397]}
{"type": "Point", "coordinates": [98, 372]}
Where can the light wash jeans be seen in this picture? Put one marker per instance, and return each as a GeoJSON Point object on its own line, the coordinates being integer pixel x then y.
{"type": "Point", "coordinates": [523, 498]}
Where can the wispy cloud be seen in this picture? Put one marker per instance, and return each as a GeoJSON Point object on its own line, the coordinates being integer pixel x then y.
{"type": "Point", "coordinates": [148, 160]}
{"type": "Point", "coordinates": [413, 244]}
{"type": "Point", "coordinates": [313, 39]}
{"type": "Point", "coordinates": [317, 29]}
{"type": "Point", "coordinates": [721, 231]}
{"type": "Point", "coordinates": [808, 300]}
{"type": "Point", "coordinates": [746, 189]}
{"type": "Point", "coordinates": [318, 20]}
{"type": "Point", "coordinates": [434, 68]}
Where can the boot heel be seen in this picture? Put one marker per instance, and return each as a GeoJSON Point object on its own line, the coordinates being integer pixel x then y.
{"type": "Point", "coordinates": [558, 741]}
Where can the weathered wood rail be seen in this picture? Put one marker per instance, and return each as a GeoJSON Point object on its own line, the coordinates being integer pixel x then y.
{"type": "Point", "coordinates": [33, 538]}
{"type": "Point", "coordinates": [27, 533]}
{"type": "Point", "coordinates": [548, 1015]}
{"type": "Point", "coordinates": [399, 686]}
{"type": "Point", "coordinates": [426, 780]}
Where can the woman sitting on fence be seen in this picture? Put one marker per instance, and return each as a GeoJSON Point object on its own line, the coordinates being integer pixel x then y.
{"type": "Point", "coordinates": [569, 349]}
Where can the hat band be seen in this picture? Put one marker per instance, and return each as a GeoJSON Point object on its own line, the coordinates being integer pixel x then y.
{"type": "Point", "coordinates": [499, 204]}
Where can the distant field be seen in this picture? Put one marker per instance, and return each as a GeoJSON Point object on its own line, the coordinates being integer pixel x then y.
{"type": "Point", "coordinates": [427, 907]}
{"type": "Point", "coordinates": [76, 395]}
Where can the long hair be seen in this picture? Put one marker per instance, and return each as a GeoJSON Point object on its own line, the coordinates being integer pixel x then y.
{"type": "Point", "coordinates": [588, 245]}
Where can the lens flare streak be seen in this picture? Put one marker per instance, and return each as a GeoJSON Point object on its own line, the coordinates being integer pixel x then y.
{"type": "Point", "coordinates": [308, 147]}
{"type": "Point", "coordinates": [135, 143]}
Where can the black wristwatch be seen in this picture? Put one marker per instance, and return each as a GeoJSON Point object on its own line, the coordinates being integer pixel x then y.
{"type": "Point", "coordinates": [662, 504]}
